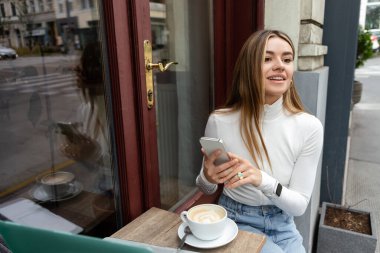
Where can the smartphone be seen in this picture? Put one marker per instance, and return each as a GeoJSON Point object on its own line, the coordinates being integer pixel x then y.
{"type": "Point", "coordinates": [210, 145]}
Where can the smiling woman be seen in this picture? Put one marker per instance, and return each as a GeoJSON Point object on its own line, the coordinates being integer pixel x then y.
{"type": "Point", "coordinates": [274, 146]}
{"type": "Point", "coordinates": [278, 69]}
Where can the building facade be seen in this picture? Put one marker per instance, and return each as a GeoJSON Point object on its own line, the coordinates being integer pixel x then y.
{"type": "Point", "coordinates": [47, 23]}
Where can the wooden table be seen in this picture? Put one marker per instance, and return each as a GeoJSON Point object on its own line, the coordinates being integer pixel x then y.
{"type": "Point", "coordinates": [159, 227]}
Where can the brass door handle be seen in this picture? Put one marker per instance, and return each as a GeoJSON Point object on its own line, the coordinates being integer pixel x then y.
{"type": "Point", "coordinates": [149, 67]}
{"type": "Point", "coordinates": [161, 66]}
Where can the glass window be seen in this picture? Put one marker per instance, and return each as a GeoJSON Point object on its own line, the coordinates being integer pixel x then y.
{"type": "Point", "coordinates": [60, 7]}
{"type": "Point", "coordinates": [49, 4]}
{"type": "Point", "coordinates": [83, 4]}
{"type": "Point", "coordinates": [13, 7]}
{"type": "Point", "coordinates": [181, 33]}
{"type": "Point", "coordinates": [32, 7]}
{"type": "Point", "coordinates": [41, 5]}
{"type": "Point", "coordinates": [23, 8]}
{"type": "Point", "coordinates": [373, 17]}
{"type": "Point", "coordinates": [55, 145]}
{"type": "Point", "coordinates": [2, 10]}
{"type": "Point", "coordinates": [70, 6]}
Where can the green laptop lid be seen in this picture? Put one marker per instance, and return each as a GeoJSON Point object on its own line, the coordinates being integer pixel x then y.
{"type": "Point", "coordinates": [23, 239]}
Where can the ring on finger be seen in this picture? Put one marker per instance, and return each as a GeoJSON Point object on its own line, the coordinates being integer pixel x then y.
{"type": "Point", "coordinates": [240, 175]}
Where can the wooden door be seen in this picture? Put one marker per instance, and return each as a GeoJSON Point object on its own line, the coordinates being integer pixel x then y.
{"type": "Point", "coordinates": [158, 149]}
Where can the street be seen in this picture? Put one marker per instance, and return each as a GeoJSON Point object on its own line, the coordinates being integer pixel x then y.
{"type": "Point", "coordinates": [363, 172]}
{"type": "Point", "coordinates": [366, 114]}
{"type": "Point", "coordinates": [46, 64]}
{"type": "Point", "coordinates": [370, 76]}
{"type": "Point", "coordinates": [35, 92]}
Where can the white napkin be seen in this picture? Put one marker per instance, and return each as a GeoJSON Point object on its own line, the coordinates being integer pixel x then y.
{"type": "Point", "coordinates": [26, 212]}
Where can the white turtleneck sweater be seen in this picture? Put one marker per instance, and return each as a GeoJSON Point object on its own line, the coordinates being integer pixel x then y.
{"type": "Point", "coordinates": [294, 144]}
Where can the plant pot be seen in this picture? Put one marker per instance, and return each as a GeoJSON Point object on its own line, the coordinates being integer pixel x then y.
{"type": "Point", "coordinates": [340, 239]}
{"type": "Point", "coordinates": [356, 92]}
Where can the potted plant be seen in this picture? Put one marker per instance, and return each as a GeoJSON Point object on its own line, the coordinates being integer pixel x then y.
{"type": "Point", "coordinates": [344, 229]}
{"type": "Point", "coordinates": [363, 53]}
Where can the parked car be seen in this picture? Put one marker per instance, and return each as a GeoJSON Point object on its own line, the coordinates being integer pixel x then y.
{"type": "Point", "coordinates": [7, 53]}
{"type": "Point", "coordinates": [375, 35]}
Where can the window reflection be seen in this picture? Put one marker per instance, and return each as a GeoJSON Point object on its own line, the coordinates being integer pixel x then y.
{"type": "Point", "coordinates": [53, 116]}
{"type": "Point", "coordinates": [181, 33]}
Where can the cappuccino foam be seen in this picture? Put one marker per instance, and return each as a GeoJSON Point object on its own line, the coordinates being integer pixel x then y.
{"type": "Point", "coordinates": [58, 178]}
{"type": "Point", "coordinates": [206, 216]}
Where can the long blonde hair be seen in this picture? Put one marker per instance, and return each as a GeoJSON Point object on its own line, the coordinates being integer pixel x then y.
{"type": "Point", "coordinates": [248, 91]}
{"type": "Point", "coordinates": [90, 79]}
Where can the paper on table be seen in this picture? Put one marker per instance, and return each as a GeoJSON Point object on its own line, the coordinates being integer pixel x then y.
{"type": "Point", "coordinates": [26, 212]}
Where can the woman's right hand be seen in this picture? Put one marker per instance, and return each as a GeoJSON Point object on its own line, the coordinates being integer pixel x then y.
{"type": "Point", "coordinates": [217, 174]}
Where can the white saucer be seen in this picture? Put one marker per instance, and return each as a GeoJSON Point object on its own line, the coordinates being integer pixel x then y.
{"type": "Point", "coordinates": [230, 232]}
{"type": "Point", "coordinates": [38, 193]}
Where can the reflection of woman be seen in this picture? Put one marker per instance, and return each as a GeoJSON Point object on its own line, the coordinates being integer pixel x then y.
{"type": "Point", "coordinates": [90, 80]}
{"type": "Point", "coordinates": [276, 145]}
{"type": "Point", "coordinates": [92, 114]}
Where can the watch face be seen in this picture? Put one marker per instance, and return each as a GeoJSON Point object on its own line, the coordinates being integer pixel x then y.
{"type": "Point", "coordinates": [279, 189]}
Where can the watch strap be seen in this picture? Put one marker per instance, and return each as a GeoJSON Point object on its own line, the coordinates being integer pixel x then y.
{"type": "Point", "coordinates": [278, 189]}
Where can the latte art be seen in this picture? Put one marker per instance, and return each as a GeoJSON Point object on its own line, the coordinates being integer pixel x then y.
{"type": "Point", "coordinates": [206, 221]}
{"type": "Point", "coordinates": [57, 183]}
{"type": "Point", "coordinates": [57, 178]}
{"type": "Point", "coordinates": [205, 216]}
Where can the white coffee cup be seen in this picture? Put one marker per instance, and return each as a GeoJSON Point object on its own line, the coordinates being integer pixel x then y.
{"type": "Point", "coordinates": [206, 221]}
{"type": "Point", "coordinates": [58, 183]}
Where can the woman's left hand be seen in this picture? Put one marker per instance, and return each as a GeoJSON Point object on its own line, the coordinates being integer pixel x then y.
{"type": "Point", "coordinates": [245, 173]}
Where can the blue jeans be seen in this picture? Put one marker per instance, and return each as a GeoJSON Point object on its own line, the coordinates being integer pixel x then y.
{"type": "Point", "coordinates": [279, 227]}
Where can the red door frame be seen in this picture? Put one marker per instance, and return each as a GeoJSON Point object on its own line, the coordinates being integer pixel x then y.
{"type": "Point", "coordinates": [135, 143]}
{"type": "Point", "coordinates": [234, 22]}
{"type": "Point", "coordinates": [127, 26]}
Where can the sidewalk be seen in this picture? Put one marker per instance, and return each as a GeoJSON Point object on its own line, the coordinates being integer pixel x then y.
{"type": "Point", "coordinates": [363, 172]}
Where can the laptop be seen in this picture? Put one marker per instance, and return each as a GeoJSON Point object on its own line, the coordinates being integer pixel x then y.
{"type": "Point", "coordinates": [23, 239]}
